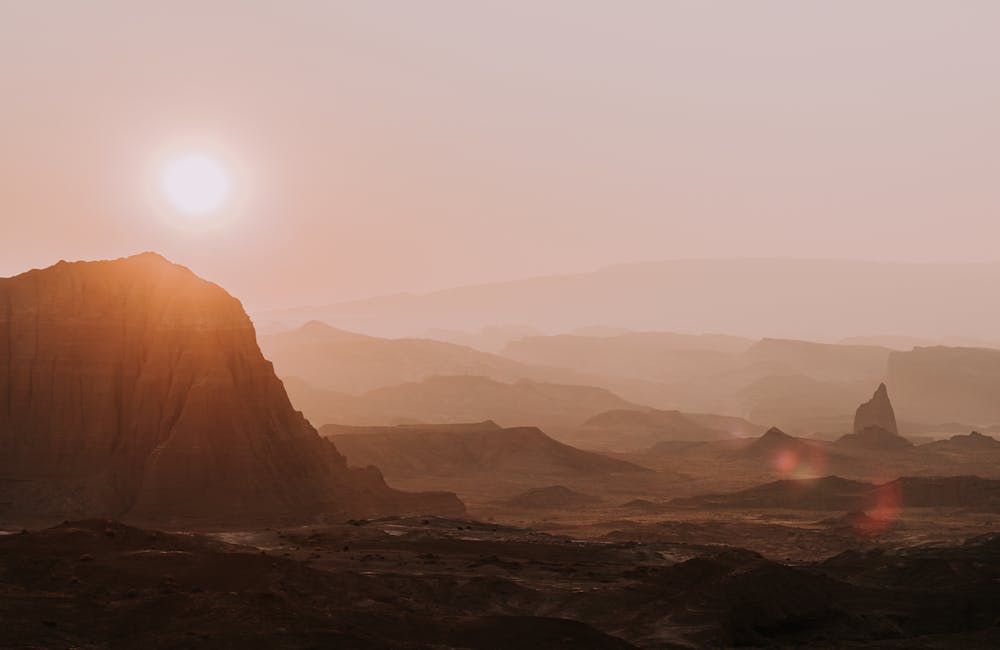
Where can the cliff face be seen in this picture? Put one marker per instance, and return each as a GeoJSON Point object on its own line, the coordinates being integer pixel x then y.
{"type": "Point", "coordinates": [944, 384]}
{"type": "Point", "coordinates": [133, 386]}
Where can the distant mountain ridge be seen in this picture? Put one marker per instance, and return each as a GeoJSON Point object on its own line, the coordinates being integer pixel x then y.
{"type": "Point", "coordinates": [625, 430]}
{"type": "Point", "coordinates": [431, 450]}
{"type": "Point", "coordinates": [752, 297]}
{"type": "Point", "coordinates": [802, 386]}
{"type": "Point", "coordinates": [329, 358]}
{"type": "Point", "coordinates": [836, 493]}
{"type": "Point", "coordinates": [936, 384]}
{"type": "Point", "coordinates": [459, 398]}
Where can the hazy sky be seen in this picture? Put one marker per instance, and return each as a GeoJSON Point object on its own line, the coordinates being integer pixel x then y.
{"type": "Point", "coordinates": [391, 146]}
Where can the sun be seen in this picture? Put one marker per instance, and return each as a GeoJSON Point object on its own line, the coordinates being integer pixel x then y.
{"type": "Point", "coordinates": [196, 184]}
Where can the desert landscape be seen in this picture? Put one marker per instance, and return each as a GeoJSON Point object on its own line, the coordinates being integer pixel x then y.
{"type": "Point", "coordinates": [452, 325]}
{"type": "Point", "coordinates": [159, 487]}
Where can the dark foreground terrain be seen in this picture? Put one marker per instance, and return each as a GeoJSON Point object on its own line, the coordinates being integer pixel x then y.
{"type": "Point", "coordinates": [446, 583]}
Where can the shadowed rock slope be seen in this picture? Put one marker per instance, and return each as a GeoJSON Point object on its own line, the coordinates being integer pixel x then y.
{"type": "Point", "coordinates": [102, 584]}
{"type": "Point", "coordinates": [98, 584]}
{"type": "Point", "coordinates": [134, 387]}
{"type": "Point", "coordinates": [836, 493]}
{"type": "Point", "coordinates": [826, 493]}
{"type": "Point", "coordinates": [971, 443]}
{"type": "Point", "coordinates": [631, 429]}
{"type": "Point", "coordinates": [555, 407]}
{"type": "Point", "coordinates": [775, 441]}
{"type": "Point", "coordinates": [346, 362]}
{"type": "Point", "coordinates": [469, 449]}
{"type": "Point", "coordinates": [553, 496]}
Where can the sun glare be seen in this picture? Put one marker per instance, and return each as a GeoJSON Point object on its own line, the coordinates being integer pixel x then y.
{"type": "Point", "coordinates": [196, 184]}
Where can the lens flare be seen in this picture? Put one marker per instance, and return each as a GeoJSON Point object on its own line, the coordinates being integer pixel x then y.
{"type": "Point", "coordinates": [800, 462]}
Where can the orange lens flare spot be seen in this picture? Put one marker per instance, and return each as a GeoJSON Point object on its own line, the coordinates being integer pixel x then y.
{"type": "Point", "coordinates": [884, 510]}
{"type": "Point", "coordinates": [797, 463]}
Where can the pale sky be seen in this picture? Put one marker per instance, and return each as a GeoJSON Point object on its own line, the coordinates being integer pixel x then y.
{"type": "Point", "coordinates": [405, 146]}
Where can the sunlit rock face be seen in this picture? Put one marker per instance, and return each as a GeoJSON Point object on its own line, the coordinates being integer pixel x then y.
{"type": "Point", "coordinates": [876, 413]}
{"type": "Point", "coordinates": [134, 387]}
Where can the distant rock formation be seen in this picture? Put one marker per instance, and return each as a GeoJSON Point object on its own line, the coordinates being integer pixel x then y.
{"type": "Point", "coordinates": [635, 429]}
{"type": "Point", "coordinates": [947, 384]}
{"type": "Point", "coordinates": [972, 442]}
{"type": "Point", "coordinates": [477, 449]}
{"type": "Point", "coordinates": [554, 496]}
{"type": "Point", "coordinates": [133, 387]}
{"type": "Point", "coordinates": [788, 455]}
{"type": "Point", "coordinates": [332, 430]}
{"type": "Point", "coordinates": [459, 398]}
{"type": "Point", "coordinates": [873, 439]}
{"type": "Point", "coordinates": [876, 412]}
{"type": "Point", "coordinates": [774, 440]}
{"type": "Point", "coordinates": [875, 426]}
{"type": "Point", "coordinates": [826, 493]}
{"type": "Point", "coordinates": [836, 493]}
{"type": "Point", "coordinates": [337, 360]}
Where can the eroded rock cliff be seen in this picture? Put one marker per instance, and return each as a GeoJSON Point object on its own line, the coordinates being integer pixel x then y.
{"type": "Point", "coordinates": [134, 387]}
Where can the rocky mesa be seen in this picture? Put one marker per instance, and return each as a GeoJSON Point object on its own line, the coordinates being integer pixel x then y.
{"type": "Point", "coordinates": [133, 387]}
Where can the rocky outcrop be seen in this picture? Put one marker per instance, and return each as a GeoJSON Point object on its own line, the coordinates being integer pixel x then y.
{"type": "Point", "coordinates": [872, 439]}
{"type": "Point", "coordinates": [972, 443]}
{"type": "Point", "coordinates": [775, 441]}
{"type": "Point", "coordinates": [876, 413]}
{"type": "Point", "coordinates": [875, 427]}
{"type": "Point", "coordinates": [471, 450]}
{"type": "Point", "coordinates": [554, 496]}
{"type": "Point", "coordinates": [134, 387]}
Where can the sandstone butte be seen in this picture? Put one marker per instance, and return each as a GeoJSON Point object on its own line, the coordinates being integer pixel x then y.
{"type": "Point", "coordinates": [132, 387]}
{"type": "Point", "coordinates": [876, 413]}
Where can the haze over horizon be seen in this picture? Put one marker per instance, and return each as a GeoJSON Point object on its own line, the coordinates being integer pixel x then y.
{"type": "Point", "coordinates": [812, 299]}
{"type": "Point", "coordinates": [368, 157]}
{"type": "Point", "coordinates": [499, 325]}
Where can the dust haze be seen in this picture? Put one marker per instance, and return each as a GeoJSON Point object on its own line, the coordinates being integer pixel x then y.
{"type": "Point", "coordinates": [488, 325]}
